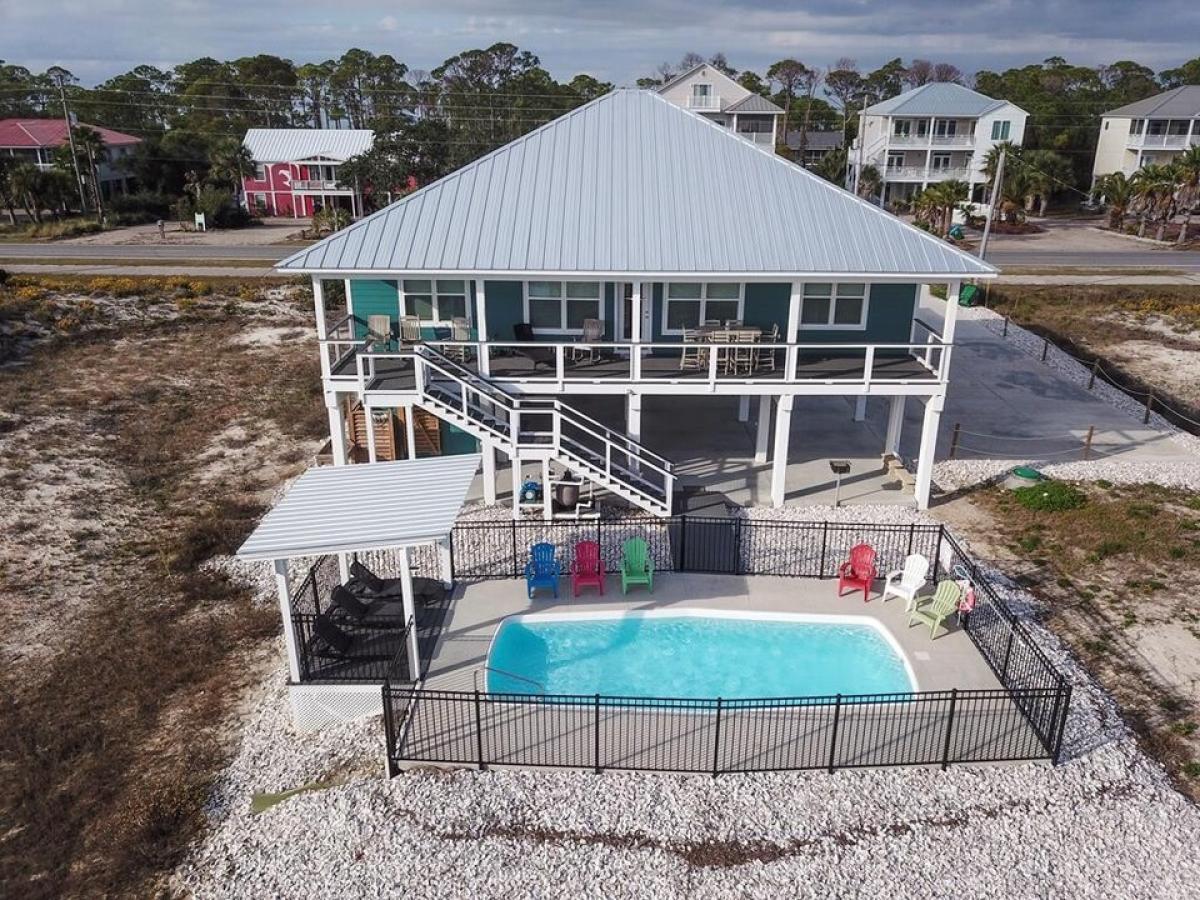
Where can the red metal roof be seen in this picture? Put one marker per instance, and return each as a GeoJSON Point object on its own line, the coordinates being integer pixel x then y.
{"type": "Point", "coordinates": [33, 133]}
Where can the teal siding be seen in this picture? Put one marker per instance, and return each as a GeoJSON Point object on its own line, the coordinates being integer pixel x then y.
{"type": "Point", "coordinates": [505, 308]}
{"type": "Point", "coordinates": [456, 442]}
{"type": "Point", "coordinates": [767, 304]}
{"type": "Point", "coordinates": [374, 297]}
{"type": "Point", "coordinates": [889, 319]}
{"type": "Point", "coordinates": [609, 311]}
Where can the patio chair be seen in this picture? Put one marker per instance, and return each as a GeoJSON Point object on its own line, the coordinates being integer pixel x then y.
{"type": "Point", "coordinates": [367, 585]}
{"type": "Point", "coordinates": [593, 331]}
{"type": "Point", "coordinates": [694, 354]}
{"type": "Point", "coordinates": [523, 332]}
{"type": "Point", "coordinates": [459, 331]}
{"type": "Point", "coordinates": [379, 330]}
{"type": "Point", "coordinates": [934, 610]}
{"type": "Point", "coordinates": [741, 359]}
{"type": "Point", "coordinates": [329, 641]}
{"type": "Point", "coordinates": [764, 357]}
{"type": "Point", "coordinates": [380, 612]}
{"type": "Point", "coordinates": [410, 330]}
{"type": "Point", "coordinates": [542, 570]}
{"type": "Point", "coordinates": [905, 582]}
{"type": "Point", "coordinates": [637, 566]}
{"type": "Point", "coordinates": [858, 571]}
{"type": "Point", "coordinates": [586, 568]}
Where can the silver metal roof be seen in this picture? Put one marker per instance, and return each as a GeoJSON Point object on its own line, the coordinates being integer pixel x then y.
{"type": "Point", "coordinates": [753, 104]}
{"type": "Point", "coordinates": [630, 184]}
{"type": "Point", "coordinates": [938, 98]}
{"type": "Point", "coordinates": [817, 140]}
{"type": "Point", "coordinates": [268, 145]}
{"type": "Point", "coordinates": [1178, 103]}
{"type": "Point", "coordinates": [340, 509]}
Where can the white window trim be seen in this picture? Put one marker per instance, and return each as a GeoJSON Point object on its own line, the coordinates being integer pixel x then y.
{"type": "Point", "coordinates": [703, 300]}
{"type": "Point", "coordinates": [562, 305]}
{"type": "Point", "coordinates": [438, 321]}
{"type": "Point", "coordinates": [830, 325]}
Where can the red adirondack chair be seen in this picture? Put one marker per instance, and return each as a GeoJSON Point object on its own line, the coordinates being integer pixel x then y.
{"type": "Point", "coordinates": [586, 568]}
{"type": "Point", "coordinates": [858, 571]}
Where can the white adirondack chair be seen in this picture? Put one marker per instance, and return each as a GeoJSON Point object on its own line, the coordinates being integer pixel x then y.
{"type": "Point", "coordinates": [907, 581]}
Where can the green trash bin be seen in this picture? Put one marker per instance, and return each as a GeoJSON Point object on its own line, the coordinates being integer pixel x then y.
{"type": "Point", "coordinates": [968, 295]}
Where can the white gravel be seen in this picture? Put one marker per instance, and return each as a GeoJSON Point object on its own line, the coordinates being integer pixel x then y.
{"type": "Point", "coordinates": [1105, 823]}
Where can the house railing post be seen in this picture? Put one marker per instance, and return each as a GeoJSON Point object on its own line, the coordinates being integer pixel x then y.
{"type": "Point", "coordinates": [1007, 653]}
{"type": "Point", "coordinates": [716, 763]}
{"type": "Point", "coordinates": [596, 734]}
{"type": "Point", "coordinates": [949, 729]}
{"type": "Point", "coordinates": [681, 566]}
{"type": "Point", "coordinates": [516, 564]}
{"type": "Point", "coordinates": [824, 542]}
{"type": "Point", "coordinates": [479, 733]}
{"type": "Point", "coordinates": [837, 714]}
{"type": "Point", "coordinates": [388, 731]}
{"type": "Point", "coordinates": [937, 551]}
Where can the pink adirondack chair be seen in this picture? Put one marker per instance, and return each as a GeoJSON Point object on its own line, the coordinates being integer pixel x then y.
{"type": "Point", "coordinates": [586, 568]}
{"type": "Point", "coordinates": [858, 571]}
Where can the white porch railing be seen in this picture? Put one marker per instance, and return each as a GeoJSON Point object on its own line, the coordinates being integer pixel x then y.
{"type": "Point", "coordinates": [318, 184]}
{"type": "Point", "coordinates": [708, 103]}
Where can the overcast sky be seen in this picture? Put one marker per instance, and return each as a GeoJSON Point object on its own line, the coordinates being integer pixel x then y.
{"type": "Point", "coordinates": [616, 40]}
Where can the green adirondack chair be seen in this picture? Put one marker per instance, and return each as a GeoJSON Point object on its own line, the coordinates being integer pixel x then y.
{"type": "Point", "coordinates": [636, 565]}
{"type": "Point", "coordinates": [936, 609]}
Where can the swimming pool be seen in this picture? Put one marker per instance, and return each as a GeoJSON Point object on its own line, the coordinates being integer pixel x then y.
{"type": "Point", "coordinates": [695, 654]}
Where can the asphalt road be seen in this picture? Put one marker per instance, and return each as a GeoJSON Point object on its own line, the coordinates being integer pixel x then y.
{"type": "Point", "coordinates": [1002, 256]}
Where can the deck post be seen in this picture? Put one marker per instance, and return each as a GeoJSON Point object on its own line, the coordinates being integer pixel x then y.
{"type": "Point", "coordinates": [925, 456]}
{"type": "Point", "coordinates": [762, 434]}
{"type": "Point", "coordinates": [372, 450]}
{"type": "Point", "coordinates": [318, 289]}
{"type": "Point", "coordinates": [410, 431]}
{"type": "Point", "coordinates": [285, 610]}
{"type": "Point", "coordinates": [633, 416]}
{"type": "Point", "coordinates": [515, 471]}
{"type": "Point", "coordinates": [744, 408]}
{"type": "Point", "coordinates": [949, 324]}
{"type": "Point", "coordinates": [337, 429]}
{"type": "Point", "coordinates": [481, 327]}
{"type": "Point", "coordinates": [891, 443]}
{"type": "Point", "coordinates": [489, 474]}
{"type": "Point", "coordinates": [783, 428]}
{"type": "Point", "coordinates": [410, 613]}
{"type": "Point", "coordinates": [547, 492]}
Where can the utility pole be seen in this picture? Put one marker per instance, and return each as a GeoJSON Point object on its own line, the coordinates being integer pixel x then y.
{"type": "Point", "coordinates": [991, 213]}
{"type": "Point", "coordinates": [860, 139]}
{"type": "Point", "coordinates": [60, 80]}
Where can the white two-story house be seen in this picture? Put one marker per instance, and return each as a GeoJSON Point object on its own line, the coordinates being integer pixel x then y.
{"type": "Point", "coordinates": [1155, 130]}
{"type": "Point", "coordinates": [711, 93]}
{"type": "Point", "coordinates": [936, 132]}
{"type": "Point", "coordinates": [550, 299]}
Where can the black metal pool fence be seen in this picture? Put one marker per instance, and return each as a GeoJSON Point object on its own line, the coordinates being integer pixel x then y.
{"type": "Point", "coordinates": [1024, 720]}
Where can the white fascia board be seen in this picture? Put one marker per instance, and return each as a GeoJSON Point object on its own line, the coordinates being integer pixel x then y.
{"type": "Point", "coordinates": [769, 277]}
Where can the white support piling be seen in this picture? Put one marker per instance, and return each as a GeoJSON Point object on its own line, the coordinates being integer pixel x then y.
{"type": "Point", "coordinates": [410, 612]}
{"type": "Point", "coordinates": [285, 610]}
{"type": "Point", "coordinates": [783, 427]}
{"type": "Point", "coordinates": [762, 434]}
{"type": "Point", "coordinates": [489, 474]}
{"type": "Point", "coordinates": [515, 467]}
{"type": "Point", "coordinates": [860, 408]}
{"type": "Point", "coordinates": [744, 408]}
{"type": "Point", "coordinates": [925, 456]}
{"type": "Point", "coordinates": [337, 430]}
{"type": "Point", "coordinates": [891, 443]}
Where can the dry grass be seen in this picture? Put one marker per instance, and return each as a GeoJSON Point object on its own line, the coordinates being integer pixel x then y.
{"type": "Point", "coordinates": [123, 655]}
{"type": "Point", "coordinates": [1115, 574]}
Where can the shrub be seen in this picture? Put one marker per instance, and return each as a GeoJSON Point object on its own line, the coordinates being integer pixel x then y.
{"type": "Point", "coordinates": [1052, 496]}
{"type": "Point", "coordinates": [139, 207]}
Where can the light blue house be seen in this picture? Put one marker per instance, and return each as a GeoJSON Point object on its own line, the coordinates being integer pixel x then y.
{"type": "Point", "coordinates": [629, 248]}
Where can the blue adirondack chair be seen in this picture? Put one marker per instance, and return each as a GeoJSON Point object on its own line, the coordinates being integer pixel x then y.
{"type": "Point", "coordinates": [542, 570]}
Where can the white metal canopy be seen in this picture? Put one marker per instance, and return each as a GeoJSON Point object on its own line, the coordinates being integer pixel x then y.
{"type": "Point", "coordinates": [341, 509]}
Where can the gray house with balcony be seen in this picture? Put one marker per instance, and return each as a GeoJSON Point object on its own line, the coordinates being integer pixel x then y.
{"type": "Point", "coordinates": [580, 262]}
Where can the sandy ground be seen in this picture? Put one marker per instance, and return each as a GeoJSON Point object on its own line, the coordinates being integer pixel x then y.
{"type": "Point", "coordinates": [272, 231]}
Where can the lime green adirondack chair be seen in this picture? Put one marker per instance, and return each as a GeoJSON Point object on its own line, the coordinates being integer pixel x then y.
{"type": "Point", "coordinates": [934, 610]}
{"type": "Point", "coordinates": [636, 565]}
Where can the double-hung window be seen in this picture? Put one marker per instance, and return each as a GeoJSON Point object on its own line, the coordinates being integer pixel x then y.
{"type": "Point", "coordinates": [561, 306]}
{"type": "Point", "coordinates": [828, 305]}
{"type": "Point", "coordinates": [1000, 129]}
{"type": "Point", "coordinates": [689, 304]}
{"type": "Point", "coordinates": [436, 302]}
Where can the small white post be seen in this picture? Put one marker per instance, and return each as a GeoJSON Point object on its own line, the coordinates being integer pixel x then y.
{"type": "Point", "coordinates": [791, 358]}
{"type": "Point", "coordinates": [891, 443]}
{"type": "Point", "coordinates": [410, 613]}
{"type": "Point", "coordinates": [344, 567]}
{"type": "Point", "coordinates": [337, 430]}
{"type": "Point", "coordinates": [949, 325]}
{"type": "Point", "coordinates": [481, 326]}
{"type": "Point", "coordinates": [516, 484]}
{"type": "Point", "coordinates": [369, 421]}
{"type": "Point", "coordinates": [318, 287]}
{"type": "Point", "coordinates": [860, 408]}
{"type": "Point", "coordinates": [410, 431]}
{"type": "Point", "coordinates": [925, 456]}
{"type": "Point", "coordinates": [744, 408]}
{"type": "Point", "coordinates": [783, 427]}
{"type": "Point", "coordinates": [285, 610]}
{"type": "Point", "coordinates": [445, 562]}
{"type": "Point", "coordinates": [762, 434]}
{"type": "Point", "coordinates": [489, 474]}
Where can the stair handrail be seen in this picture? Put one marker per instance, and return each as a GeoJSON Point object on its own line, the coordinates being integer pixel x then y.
{"type": "Point", "coordinates": [442, 363]}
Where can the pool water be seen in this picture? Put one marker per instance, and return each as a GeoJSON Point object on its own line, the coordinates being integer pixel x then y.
{"type": "Point", "coordinates": [696, 655]}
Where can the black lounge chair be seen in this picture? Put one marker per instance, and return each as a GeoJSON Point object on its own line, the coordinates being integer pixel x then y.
{"type": "Point", "coordinates": [330, 641]}
{"type": "Point", "coordinates": [369, 586]}
{"type": "Point", "coordinates": [523, 332]}
{"type": "Point", "coordinates": [377, 612]}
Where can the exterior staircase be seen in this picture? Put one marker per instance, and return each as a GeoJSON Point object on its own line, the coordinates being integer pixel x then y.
{"type": "Point", "coordinates": [542, 428]}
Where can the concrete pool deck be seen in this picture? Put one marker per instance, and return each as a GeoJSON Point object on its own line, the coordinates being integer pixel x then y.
{"type": "Point", "coordinates": [477, 609]}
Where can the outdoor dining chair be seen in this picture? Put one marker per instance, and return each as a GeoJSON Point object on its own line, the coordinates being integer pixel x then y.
{"type": "Point", "coordinates": [586, 568]}
{"type": "Point", "coordinates": [410, 330]}
{"type": "Point", "coordinates": [906, 582]}
{"type": "Point", "coordinates": [764, 357]}
{"type": "Point", "coordinates": [933, 611]}
{"type": "Point", "coordinates": [542, 570]}
{"type": "Point", "coordinates": [460, 332]}
{"type": "Point", "coordinates": [694, 354]}
{"type": "Point", "coordinates": [593, 331]}
{"type": "Point", "coordinates": [858, 571]}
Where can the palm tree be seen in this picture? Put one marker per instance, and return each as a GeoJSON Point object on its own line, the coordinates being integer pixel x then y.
{"type": "Point", "coordinates": [869, 182]}
{"type": "Point", "coordinates": [1117, 191]}
{"type": "Point", "coordinates": [936, 204]}
{"type": "Point", "coordinates": [91, 149]}
{"type": "Point", "coordinates": [229, 160]}
{"type": "Point", "coordinates": [832, 166]}
{"type": "Point", "coordinates": [8, 196]}
{"type": "Point", "coordinates": [1154, 196]}
{"type": "Point", "coordinates": [25, 181]}
{"type": "Point", "coordinates": [1187, 169]}
{"type": "Point", "coordinates": [991, 162]}
{"type": "Point", "coordinates": [1046, 172]}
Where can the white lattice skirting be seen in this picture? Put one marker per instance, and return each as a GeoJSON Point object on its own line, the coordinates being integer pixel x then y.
{"type": "Point", "coordinates": [315, 706]}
